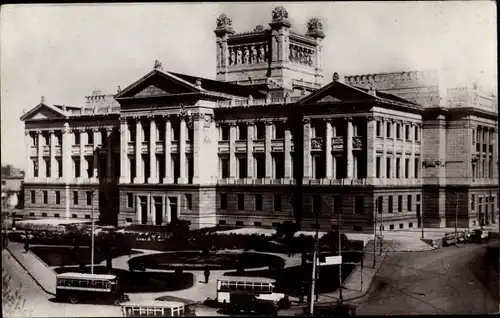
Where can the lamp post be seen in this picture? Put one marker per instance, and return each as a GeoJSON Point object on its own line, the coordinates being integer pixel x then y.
{"type": "Point", "coordinates": [456, 220]}
{"type": "Point", "coordinates": [340, 265]}
{"type": "Point", "coordinates": [92, 234]}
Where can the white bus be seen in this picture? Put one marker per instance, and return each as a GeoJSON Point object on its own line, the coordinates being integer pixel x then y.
{"type": "Point", "coordinates": [74, 287]}
{"type": "Point", "coordinates": [153, 308]}
{"type": "Point", "coordinates": [261, 287]}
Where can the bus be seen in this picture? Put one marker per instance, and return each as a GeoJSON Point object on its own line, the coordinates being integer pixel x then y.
{"type": "Point", "coordinates": [75, 287]}
{"type": "Point", "coordinates": [155, 308]}
{"type": "Point", "coordinates": [261, 287]}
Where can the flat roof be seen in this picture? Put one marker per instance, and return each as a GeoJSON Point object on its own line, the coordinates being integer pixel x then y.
{"type": "Point", "coordinates": [153, 303]}
{"type": "Point", "coordinates": [247, 279]}
{"type": "Point", "coordinates": [86, 276]}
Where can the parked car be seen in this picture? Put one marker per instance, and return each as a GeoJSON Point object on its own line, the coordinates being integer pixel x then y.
{"type": "Point", "coordinates": [479, 236]}
{"type": "Point", "coordinates": [242, 301]}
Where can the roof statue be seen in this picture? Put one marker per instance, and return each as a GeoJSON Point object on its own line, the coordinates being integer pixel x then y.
{"type": "Point", "coordinates": [315, 28]}
{"type": "Point", "coordinates": [223, 21]}
{"type": "Point", "coordinates": [42, 99]}
{"type": "Point", "coordinates": [335, 76]}
{"type": "Point", "coordinates": [119, 89]}
{"type": "Point", "coordinates": [279, 14]}
{"type": "Point", "coordinates": [158, 65]}
{"type": "Point", "coordinates": [259, 28]}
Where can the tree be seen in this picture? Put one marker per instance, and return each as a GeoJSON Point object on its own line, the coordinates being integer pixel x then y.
{"type": "Point", "coordinates": [330, 241]}
{"type": "Point", "coordinates": [112, 244]}
{"type": "Point", "coordinates": [179, 230]}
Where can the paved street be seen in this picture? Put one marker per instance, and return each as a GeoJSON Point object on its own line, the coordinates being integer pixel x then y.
{"type": "Point", "coordinates": [429, 282]}
{"type": "Point", "coordinates": [36, 303]}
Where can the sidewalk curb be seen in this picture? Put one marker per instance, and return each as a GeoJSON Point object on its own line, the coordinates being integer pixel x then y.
{"type": "Point", "coordinates": [32, 277]}
{"type": "Point", "coordinates": [370, 283]}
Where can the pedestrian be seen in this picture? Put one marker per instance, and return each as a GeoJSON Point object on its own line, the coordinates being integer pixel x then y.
{"type": "Point", "coordinates": [26, 246]}
{"type": "Point", "coordinates": [207, 274]}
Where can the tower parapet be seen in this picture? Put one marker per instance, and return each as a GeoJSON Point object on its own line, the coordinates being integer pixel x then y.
{"type": "Point", "coordinates": [275, 58]}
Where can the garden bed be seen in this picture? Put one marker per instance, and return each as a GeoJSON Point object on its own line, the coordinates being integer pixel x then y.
{"type": "Point", "coordinates": [63, 256]}
{"type": "Point", "coordinates": [196, 260]}
{"type": "Point", "coordinates": [142, 282]}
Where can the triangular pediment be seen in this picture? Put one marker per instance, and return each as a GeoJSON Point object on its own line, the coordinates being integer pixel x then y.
{"type": "Point", "coordinates": [43, 112]}
{"type": "Point", "coordinates": [337, 92]}
{"type": "Point", "coordinates": [158, 83]}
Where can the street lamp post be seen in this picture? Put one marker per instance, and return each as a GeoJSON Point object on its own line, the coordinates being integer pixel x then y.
{"type": "Point", "coordinates": [456, 220]}
{"type": "Point", "coordinates": [92, 235]}
{"type": "Point", "coordinates": [340, 254]}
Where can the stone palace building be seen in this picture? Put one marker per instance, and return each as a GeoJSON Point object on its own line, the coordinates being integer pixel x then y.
{"type": "Point", "coordinates": [396, 149]}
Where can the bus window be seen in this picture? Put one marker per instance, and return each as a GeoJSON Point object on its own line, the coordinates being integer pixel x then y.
{"type": "Point", "coordinates": [224, 285]}
{"type": "Point", "coordinates": [232, 286]}
{"type": "Point", "coordinates": [258, 287]}
{"type": "Point", "coordinates": [168, 312]}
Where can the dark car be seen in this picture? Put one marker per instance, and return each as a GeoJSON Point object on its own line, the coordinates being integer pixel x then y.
{"type": "Point", "coordinates": [479, 236]}
{"type": "Point", "coordinates": [336, 310]}
{"type": "Point", "coordinates": [241, 301]}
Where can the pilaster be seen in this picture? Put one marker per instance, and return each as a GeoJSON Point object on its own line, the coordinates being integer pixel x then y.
{"type": "Point", "coordinates": [168, 179]}
{"type": "Point", "coordinates": [307, 149]}
{"type": "Point", "coordinates": [153, 179]}
{"type": "Point", "coordinates": [350, 163]}
{"type": "Point", "coordinates": [328, 149]}
{"type": "Point", "coordinates": [232, 155]}
{"type": "Point", "coordinates": [288, 154]}
{"type": "Point", "coordinates": [124, 162]}
{"type": "Point", "coordinates": [268, 149]}
{"type": "Point", "coordinates": [139, 173]}
{"type": "Point", "coordinates": [182, 152]}
{"type": "Point", "coordinates": [250, 134]}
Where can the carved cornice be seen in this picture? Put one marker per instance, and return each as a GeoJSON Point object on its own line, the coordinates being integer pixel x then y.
{"type": "Point", "coordinates": [328, 120]}
{"type": "Point", "coordinates": [38, 131]}
{"type": "Point", "coordinates": [370, 118]}
{"type": "Point", "coordinates": [348, 118]}
{"type": "Point", "coordinates": [232, 124]}
{"type": "Point", "coordinates": [26, 133]}
{"type": "Point", "coordinates": [95, 129]}
{"type": "Point", "coordinates": [123, 120]}
{"type": "Point", "coordinates": [110, 129]}
{"type": "Point", "coordinates": [51, 131]}
{"type": "Point", "coordinates": [306, 120]}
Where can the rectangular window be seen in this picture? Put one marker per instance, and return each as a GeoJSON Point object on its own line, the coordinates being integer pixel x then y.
{"type": "Point", "coordinates": [89, 197]}
{"type": "Point", "coordinates": [242, 131]}
{"type": "Point", "coordinates": [417, 137]}
{"type": "Point", "coordinates": [56, 215]}
{"type": "Point", "coordinates": [222, 222]}
{"type": "Point", "coordinates": [400, 203]}
{"type": "Point", "coordinates": [58, 197]}
{"type": "Point", "coordinates": [407, 132]}
{"type": "Point", "coordinates": [130, 200]}
{"type": "Point", "coordinates": [77, 167]}
{"type": "Point", "coordinates": [77, 137]}
{"type": "Point", "coordinates": [279, 130]}
{"type": "Point", "coordinates": [388, 130]}
{"type": "Point", "coordinates": [257, 223]}
{"type": "Point", "coordinates": [35, 168]}
{"type": "Point", "coordinates": [90, 138]}
{"type": "Point", "coordinates": [277, 203]}
{"type": "Point", "coordinates": [473, 202]}
{"type": "Point", "coordinates": [44, 214]}
{"type": "Point", "coordinates": [47, 168]}
{"type": "Point", "coordinates": [59, 168]}
{"type": "Point", "coordinates": [87, 216]}
{"type": "Point", "coordinates": [390, 204]}
{"type": "Point", "coordinates": [398, 168]}
{"type": "Point", "coordinates": [75, 197]}
{"type": "Point", "coordinates": [316, 204]}
{"type": "Point", "coordinates": [223, 201]}
{"type": "Point", "coordinates": [398, 131]}
{"type": "Point", "coordinates": [74, 216]}
{"type": "Point", "coordinates": [417, 168]}
{"type": "Point", "coordinates": [240, 223]}
{"type": "Point", "coordinates": [418, 197]}
{"type": "Point", "coordinates": [377, 167]}
{"type": "Point", "coordinates": [388, 168]}
{"type": "Point", "coordinates": [379, 128]}
{"type": "Point", "coordinates": [407, 168]}
{"type": "Point", "coordinates": [409, 203]}
{"type": "Point", "coordinates": [358, 205]}
{"type": "Point", "coordinates": [410, 225]}
{"type": "Point", "coordinates": [241, 202]}
{"type": "Point", "coordinates": [380, 204]}
{"type": "Point", "coordinates": [33, 196]}
{"type": "Point", "coordinates": [258, 202]}
{"type": "Point", "coordinates": [401, 225]}
{"type": "Point", "coordinates": [337, 204]}
{"type": "Point", "coordinates": [391, 227]}
{"type": "Point", "coordinates": [189, 201]}
{"type": "Point", "coordinates": [45, 197]}
{"type": "Point", "coordinates": [260, 131]}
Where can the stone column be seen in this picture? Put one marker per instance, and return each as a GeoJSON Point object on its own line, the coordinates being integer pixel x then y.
{"type": "Point", "coordinates": [495, 154]}
{"type": "Point", "coordinates": [288, 154]}
{"type": "Point", "coordinates": [152, 151]}
{"type": "Point", "coordinates": [124, 162]}
{"type": "Point", "coordinates": [394, 126]}
{"type": "Point", "coordinates": [268, 149]}
{"type": "Point", "coordinates": [383, 164]}
{"type": "Point", "coordinates": [83, 162]}
{"type": "Point", "coordinates": [95, 168]}
{"type": "Point", "coordinates": [139, 175]}
{"type": "Point", "coordinates": [182, 152]}
{"type": "Point", "coordinates": [109, 153]}
{"type": "Point", "coordinates": [250, 132]}
{"type": "Point", "coordinates": [413, 150]}
{"type": "Point", "coordinates": [168, 151]}
{"type": "Point", "coordinates": [198, 122]}
{"type": "Point", "coordinates": [152, 211]}
{"type": "Point", "coordinates": [53, 163]}
{"type": "Point", "coordinates": [307, 149]}
{"type": "Point", "coordinates": [232, 155]}
{"type": "Point", "coordinates": [403, 154]}
{"type": "Point", "coordinates": [350, 165]}
{"type": "Point", "coordinates": [138, 214]}
{"type": "Point", "coordinates": [41, 165]}
{"type": "Point", "coordinates": [66, 145]}
{"type": "Point", "coordinates": [328, 149]}
{"type": "Point", "coordinates": [371, 149]}
{"type": "Point", "coordinates": [480, 152]}
{"type": "Point", "coordinates": [27, 143]}
{"type": "Point", "coordinates": [487, 159]}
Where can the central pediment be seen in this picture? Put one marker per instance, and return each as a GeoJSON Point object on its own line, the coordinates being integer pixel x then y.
{"type": "Point", "coordinates": [158, 83]}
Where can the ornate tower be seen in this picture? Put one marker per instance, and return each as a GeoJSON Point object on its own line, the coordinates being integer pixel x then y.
{"type": "Point", "coordinates": [276, 60]}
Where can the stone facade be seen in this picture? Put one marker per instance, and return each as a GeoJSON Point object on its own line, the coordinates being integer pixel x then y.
{"type": "Point", "coordinates": [235, 150]}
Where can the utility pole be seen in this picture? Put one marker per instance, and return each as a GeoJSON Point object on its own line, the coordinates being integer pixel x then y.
{"type": "Point", "coordinates": [381, 231]}
{"type": "Point", "coordinates": [313, 283]}
{"type": "Point", "coordinates": [422, 221]}
{"type": "Point", "coordinates": [456, 220]}
{"type": "Point", "coordinates": [92, 235]}
{"type": "Point", "coordinates": [340, 265]}
{"type": "Point", "coordinates": [374, 238]}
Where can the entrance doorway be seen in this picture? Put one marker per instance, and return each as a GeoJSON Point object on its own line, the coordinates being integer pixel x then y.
{"type": "Point", "coordinates": [158, 210]}
{"type": "Point", "coordinates": [144, 209]}
{"type": "Point", "coordinates": [173, 209]}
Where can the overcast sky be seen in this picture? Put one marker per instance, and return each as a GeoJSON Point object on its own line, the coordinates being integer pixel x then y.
{"type": "Point", "coordinates": [65, 52]}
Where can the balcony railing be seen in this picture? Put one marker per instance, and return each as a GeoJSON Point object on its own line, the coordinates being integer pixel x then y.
{"type": "Point", "coordinates": [337, 143]}
{"type": "Point", "coordinates": [317, 143]}
{"type": "Point", "coordinates": [357, 143]}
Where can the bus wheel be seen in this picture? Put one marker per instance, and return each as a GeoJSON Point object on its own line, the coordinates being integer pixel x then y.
{"type": "Point", "coordinates": [73, 299]}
